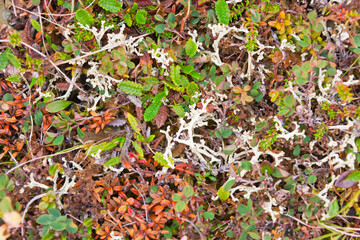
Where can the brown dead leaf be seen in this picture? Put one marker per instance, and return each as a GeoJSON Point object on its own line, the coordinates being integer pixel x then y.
{"type": "Point", "coordinates": [161, 117]}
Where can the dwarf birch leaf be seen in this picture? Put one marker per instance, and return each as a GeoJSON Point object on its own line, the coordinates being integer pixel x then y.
{"type": "Point", "coordinates": [110, 5]}
{"type": "Point", "coordinates": [222, 12]}
{"type": "Point", "coordinates": [190, 48]}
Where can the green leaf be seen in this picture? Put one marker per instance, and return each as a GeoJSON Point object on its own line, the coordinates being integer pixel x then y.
{"type": "Point", "coordinates": [3, 61]}
{"type": "Point", "coordinates": [80, 133]}
{"type": "Point", "coordinates": [138, 149]}
{"type": "Point", "coordinates": [178, 109]}
{"type": "Point", "coordinates": [296, 151]}
{"type": "Point", "coordinates": [45, 219]}
{"type": "Point", "coordinates": [58, 140]}
{"type": "Point", "coordinates": [153, 109]}
{"type": "Point", "coordinates": [14, 78]}
{"type": "Point", "coordinates": [289, 101]}
{"type": "Point", "coordinates": [58, 226]}
{"type": "Point", "coordinates": [208, 215]}
{"type": "Point", "coordinates": [334, 208]}
{"type": "Point", "coordinates": [133, 123]}
{"type": "Point", "coordinates": [84, 17]}
{"type": "Point", "coordinates": [176, 197]}
{"type": "Point", "coordinates": [255, 16]}
{"type": "Point", "coordinates": [230, 234]}
{"type": "Point", "coordinates": [188, 191]}
{"type": "Point", "coordinates": [160, 28]}
{"type": "Point", "coordinates": [192, 89]}
{"type": "Point", "coordinates": [357, 40]}
{"type": "Point", "coordinates": [38, 117]}
{"type": "Point", "coordinates": [246, 165]}
{"type": "Point", "coordinates": [154, 189]}
{"type": "Point", "coordinates": [312, 179]}
{"type": "Point", "coordinates": [4, 179]}
{"type": "Point", "coordinates": [229, 184]}
{"type": "Point", "coordinates": [222, 12]}
{"type": "Point", "coordinates": [254, 235]}
{"type": "Point", "coordinates": [140, 17]}
{"type": "Point", "coordinates": [160, 158]}
{"type": "Point", "coordinates": [70, 226]}
{"type": "Point", "coordinates": [110, 5]}
{"type": "Point", "coordinates": [180, 206]}
{"type": "Point", "coordinates": [55, 212]}
{"type": "Point", "coordinates": [175, 75]}
{"type": "Point", "coordinates": [242, 209]}
{"type": "Point", "coordinates": [312, 16]}
{"type": "Point", "coordinates": [348, 179]}
{"type": "Point", "coordinates": [36, 25]}
{"type": "Point", "coordinates": [57, 106]}
{"type": "Point", "coordinates": [223, 195]}
{"type": "Point", "coordinates": [112, 161]}
{"type": "Point", "coordinates": [190, 48]}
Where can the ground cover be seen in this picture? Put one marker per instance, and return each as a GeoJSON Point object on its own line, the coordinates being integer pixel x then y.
{"type": "Point", "coordinates": [179, 119]}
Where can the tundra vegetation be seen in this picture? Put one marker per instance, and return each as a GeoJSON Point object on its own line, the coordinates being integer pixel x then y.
{"type": "Point", "coordinates": [187, 119]}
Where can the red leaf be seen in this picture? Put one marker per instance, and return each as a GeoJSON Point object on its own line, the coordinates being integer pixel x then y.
{"type": "Point", "coordinates": [161, 117]}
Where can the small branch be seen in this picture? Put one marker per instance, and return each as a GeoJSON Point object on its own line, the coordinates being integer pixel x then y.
{"type": "Point", "coordinates": [146, 212]}
{"type": "Point", "coordinates": [185, 18]}
{"type": "Point", "coordinates": [196, 228]}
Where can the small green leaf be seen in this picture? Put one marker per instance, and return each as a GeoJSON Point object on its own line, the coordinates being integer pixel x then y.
{"type": "Point", "coordinates": [190, 48]}
{"type": "Point", "coordinates": [208, 215]}
{"type": "Point", "coordinates": [133, 123]}
{"type": "Point", "coordinates": [4, 179]}
{"type": "Point", "coordinates": [223, 195]}
{"type": "Point", "coordinates": [188, 191]}
{"type": "Point", "coordinates": [14, 78]}
{"type": "Point", "coordinates": [154, 189]}
{"type": "Point", "coordinates": [312, 179]}
{"type": "Point", "coordinates": [312, 16]}
{"type": "Point", "coordinates": [84, 17]}
{"type": "Point", "coordinates": [160, 158]}
{"type": "Point", "coordinates": [58, 140]}
{"type": "Point", "coordinates": [296, 151]}
{"type": "Point", "coordinates": [36, 25]}
{"type": "Point", "coordinates": [45, 219]}
{"type": "Point", "coordinates": [80, 133]}
{"type": "Point", "coordinates": [228, 185]}
{"type": "Point", "coordinates": [289, 101]}
{"type": "Point", "coordinates": [140, 17]}
{"type": "Point", "coordinates": [153, 109]}
{"type": "Point", "coordinates": [57, 106]}
{"type": "Point", "coordinates": [242, 209]}
{"type": "Point", "coordinates": [180, 206]}
{"type": "Point", "coordinates": [357, 40]}
{"type": "Point", "coordinates": [3, 61]}
{"type": "Point", "coordinates": [113, 6]}
{"type": "Point", "coordinates": [176, 197]}
{"type": "Point", "coordinates": [138, 149]}
{"type": "Point", "coordinates": [246, 165]}
{"type": "Point", "coordinates": [38, 117]}
{"type": "Point", "coordinates": [55, 212]}
{"type": "Point", "coordinates": [334, 208]}
{"type": "Point", "coordinates": [222, 12]}
{"type": "Point", "coordinates": [112, 161]}
{"type": "Point", "coordinates": [178, 109]}
{"type": "Point", "coordinates": [58, 226]}
{"type": "Point", "coordinates": [160, 28]}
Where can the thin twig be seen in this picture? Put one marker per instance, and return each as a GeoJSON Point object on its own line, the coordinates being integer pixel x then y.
{"type": "Point", "coordinates": [52, 63]}
{"type": "Point", "coordinates": [185, 18]}
{"type": "Point", "coordinates": [146, 212]}
{"type": "Point", "coordinates": [196, 228]}
{"type": "Point", "coordinates": [44, 18]}
{"type": "Point", "coordinates": [13, 5]}
{"type": "Point", "coordinates": [37, 158]}
{"type": "Point", "coordinates": [107, 47]}
{"type": "Point", "coordinates": [42, 31]}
